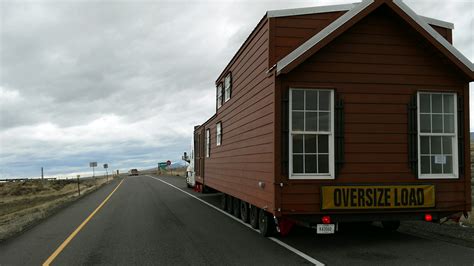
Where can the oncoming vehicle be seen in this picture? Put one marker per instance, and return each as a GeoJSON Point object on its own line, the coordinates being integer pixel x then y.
{"type": "Point", "coordinates": [133, 172]}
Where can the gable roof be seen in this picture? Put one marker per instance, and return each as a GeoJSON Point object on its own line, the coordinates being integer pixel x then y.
{"type": "Point", "coordinates": [360, 11]}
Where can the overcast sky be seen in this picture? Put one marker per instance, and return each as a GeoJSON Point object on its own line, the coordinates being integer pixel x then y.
{"type": "Point", "coordinates": [124, 82]}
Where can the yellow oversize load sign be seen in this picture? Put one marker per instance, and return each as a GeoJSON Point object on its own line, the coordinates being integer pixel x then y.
{"type": "Point", "coordinates": [377, 197]}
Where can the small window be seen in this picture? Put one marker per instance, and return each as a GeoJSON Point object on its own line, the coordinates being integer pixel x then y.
{"type": "Point", "coordinates": [219, 95]}
{"type": "Point", "coordinates": [208, 143]}
{"type": "Point", "coordinates": [227, 87]}
{"type": "Point", "coordinates": [311, 134]}
{"type": "Point", "coordinates": [437, 135]}
{"type": "Point", "coordinates": [219, 133]}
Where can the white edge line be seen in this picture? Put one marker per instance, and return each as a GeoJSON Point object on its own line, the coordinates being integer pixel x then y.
{"type": "Point", "coordinates": [290, 248]}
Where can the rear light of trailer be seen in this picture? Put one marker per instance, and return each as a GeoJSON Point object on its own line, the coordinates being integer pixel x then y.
{"type": "Point", "coordinates": [428, 217]}
{"type": "Point", "coordinates": [326, 219]}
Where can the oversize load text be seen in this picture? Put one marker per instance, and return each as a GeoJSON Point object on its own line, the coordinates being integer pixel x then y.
{"type": "Point", "coordinates": [377, 197]}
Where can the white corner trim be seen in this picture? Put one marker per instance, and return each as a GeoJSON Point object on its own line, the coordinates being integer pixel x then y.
{"type": "Point", "coordinates": [434, 34]}
{"type": "Point", "coordinates": [321, 35]}
{"type": "Point", "coordinates": [437, 22]}
{"type": "Point", "coordinates": [309, 10]}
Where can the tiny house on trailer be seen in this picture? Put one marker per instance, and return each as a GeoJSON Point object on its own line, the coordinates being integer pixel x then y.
{"type": "Point", "coordinates": [340, 113]}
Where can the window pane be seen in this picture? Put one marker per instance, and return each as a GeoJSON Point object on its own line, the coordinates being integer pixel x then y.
{"type": "Point", "coordinates": [324, 121]}
{"type": "Point", "coordinates": [310, 143]}
{"type": "Point", "coordinates": [425, 145]}
{"type": "Point", "coordinates": [448, 123]}
{"type": "Point", "coordinates": [311, 100]}
{"type": "Point", "coordinates": [324, 97]}
{"type": "Point", "coordinates": [425, 103]}
{"type": "Point", "coordinates": [435, 168]}
{"type": "Point", "coordinates": [448, 167]}
{"type": "Point", "coordinates": [323, 144]}
{"type": "Point", "coordinates": [310, 164]}
{"type": "Point", "coordinates": [447, 145]}
{"type": "Point", "coordinates": [425, 123]}
{"type": "Point", "coordinates": [298, 143]}
{"type": "Point", "coordinates": [298, 164]}
{"type": "Point", "coordinates": [448, 101]}
{"type": "Point", "coordinates": [311, 121]}
{"type": "Point", "coordinates": [437, 121]}
{"type": "Point", "coordinates": [323, 164]}
{"type": "Point", "coordinates": [437, 102]}
{"type": "Point", "coordinates": [425, 164]}
{"type": "Point", "coordinates": [435, 145]}
{"type": "Point", "coordinates": [297, 100]}
{"type": "Point", "coordinates": [298, 121]}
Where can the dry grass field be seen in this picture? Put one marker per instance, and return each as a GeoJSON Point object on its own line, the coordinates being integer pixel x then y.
{"type": "Point", "coordinates": [22, 204]}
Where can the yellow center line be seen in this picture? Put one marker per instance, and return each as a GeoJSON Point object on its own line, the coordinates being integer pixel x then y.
{"type": "Point", "coordinates": [70, 237]}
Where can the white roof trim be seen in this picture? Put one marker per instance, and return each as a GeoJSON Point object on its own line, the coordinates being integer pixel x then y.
{"type": "Point", "coordinates": [309, 10]}
{"type": "Point", "coordinates": [434, 34]}
{"type": "Point", "coordinates": [437, 22]}
{"type": "Point", "coordinates": [322, 34]}
{"type": "Point", "coordinates": [422, 21]}
{"type": "Point", "coordinates": [337, 8]}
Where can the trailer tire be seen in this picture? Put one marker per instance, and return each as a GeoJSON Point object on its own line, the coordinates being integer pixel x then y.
{"type": "Point", "coordinates": [391, 226]}
{"type": "Point", "coordinates": [223, 201]}
{"type": "Point", "coordinates": [229, 200]}
{"type": "Point", "coordinates": [266, 224]}
{"type": "Point", "coordinates": [253, 216]}
{"type": "Point", "coordinates": [244, 211]}
{"type": "Point", "coordinates": [236, 207]}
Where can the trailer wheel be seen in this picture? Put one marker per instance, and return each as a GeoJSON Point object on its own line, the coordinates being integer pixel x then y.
{"type": "Point", "coordinates": [223, 201]}
{"type": "Point", "coordinates": [236, 209]}
{"type": "Point", "coordinates": [253, 215]}
{"type": "Point", "coordinates": [244, 211]}
{"type": "Point", "coordinates": [391, 225]}
{"type": "Point", "coordinates": [265, 223]}
{"type": "Point", "coordinates": [229, 200]}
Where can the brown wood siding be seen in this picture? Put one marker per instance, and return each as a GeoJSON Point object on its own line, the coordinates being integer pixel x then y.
{"type": "Point", "coordinates": [246, 154]}
{"type": "Point", "coordinates": [376, 66]}
{"type": "Point", "coordinates": [290, 32]}
{"type": "Point", "coordinates": [446, 33]}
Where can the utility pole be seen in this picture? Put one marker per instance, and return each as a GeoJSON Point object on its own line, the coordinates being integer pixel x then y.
{"type": "Point", "coordinates": [42, 175]}
{"type": "Point", "coordinates": [78, 185]}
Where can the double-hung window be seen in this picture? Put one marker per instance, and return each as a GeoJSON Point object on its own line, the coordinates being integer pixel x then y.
{"type": "Point", "coordinates": [219, 95]}
{"type": "Point", "coordinates": [227, 87]}
{"type": "Point", "coordinates": [311, 143]}
{"type": "Point", "coordinates": [219, 134]}
{"type": "Point", "coordinates": [437, 135]}
{"type": "Point", "coordinates": [208, 143]}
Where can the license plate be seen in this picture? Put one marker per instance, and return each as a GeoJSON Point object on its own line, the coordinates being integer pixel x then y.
{"type": "Point", "coordinates": [325, 229]}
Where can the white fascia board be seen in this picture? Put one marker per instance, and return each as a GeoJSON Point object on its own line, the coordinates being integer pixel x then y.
{"type": "Point", "coordinates": [309, 10]}
{"type": "Point", "coordinates": [434, 34]}
{"type": "Point", "coordinates": [437, 22]}
{"type": "Point", "coordinates": [322, 34]}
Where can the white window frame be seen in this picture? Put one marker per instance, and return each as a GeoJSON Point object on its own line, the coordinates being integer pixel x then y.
{"type": "Point", "coordinates": [330, 140]}
{"type": "Point", "coordinates": [219, 96]}
{"type": "Point", "coordinates": [227, 87]}
{"type": "Point", "coordinates": [455, 173]}
{"type": "Point", "coordinates": [208, 143]}
{"type": "Point", "coordinates": [219, 134]}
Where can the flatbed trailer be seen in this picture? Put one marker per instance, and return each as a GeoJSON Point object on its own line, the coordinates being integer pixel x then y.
{"type": "Point", "coordinates": [340, 113]}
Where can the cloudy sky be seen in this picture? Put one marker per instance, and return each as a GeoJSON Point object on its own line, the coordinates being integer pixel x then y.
{"type": "Point", "coordinates": [124, 82]}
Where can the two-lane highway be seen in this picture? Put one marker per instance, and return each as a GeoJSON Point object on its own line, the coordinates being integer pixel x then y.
{"type": "Point", "coordinates": [144, 222]}
{"type": "Point", "coordinates": [157, 220]}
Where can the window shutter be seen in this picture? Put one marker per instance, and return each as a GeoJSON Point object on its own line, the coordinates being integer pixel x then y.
{"type": "Point", "coordinates": [461, 135]}
{"type": "Point", "coordinates": [413, 135]}
{"type": "Point", "coordinates": [284, 132]}
{"type": "Point", "coordinates": [339, 133]}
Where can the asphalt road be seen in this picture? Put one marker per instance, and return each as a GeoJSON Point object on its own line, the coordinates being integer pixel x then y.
{"type": "Point", "coordinates": [147, 221]}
